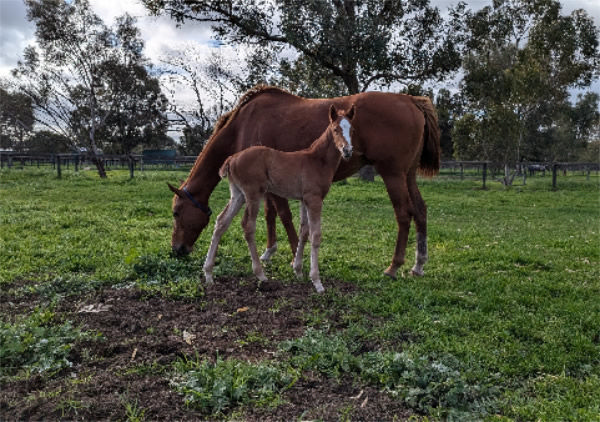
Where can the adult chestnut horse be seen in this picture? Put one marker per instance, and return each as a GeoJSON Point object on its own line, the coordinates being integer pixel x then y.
{"type": "Point", "coordinates": [396, 133]}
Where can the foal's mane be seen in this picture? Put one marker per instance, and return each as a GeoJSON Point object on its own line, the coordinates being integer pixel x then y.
{"type": "Point", "coordinates": [230, 116]}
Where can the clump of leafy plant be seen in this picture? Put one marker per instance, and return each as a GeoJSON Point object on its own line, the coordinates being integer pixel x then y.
{"type": "Point", "coordinates": [214, 387]}
{"type": "Point", "coordinates": [34, 344]}
{"type": "Point", "coordinates": [330, 355]}
{"type": "Point", "coordinates": [162, 273]}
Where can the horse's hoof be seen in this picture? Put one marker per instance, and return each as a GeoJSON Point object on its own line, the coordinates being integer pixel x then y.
{"type": "Point", "coordinates": [392, 276]}
{"type": "Point", "coordinates": [318, 286]}
{"type": "Point", "coordinates": [416, 272]}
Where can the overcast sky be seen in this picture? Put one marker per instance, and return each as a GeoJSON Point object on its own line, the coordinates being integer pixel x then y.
{"type": "Point", "coordinates": [160, 34]}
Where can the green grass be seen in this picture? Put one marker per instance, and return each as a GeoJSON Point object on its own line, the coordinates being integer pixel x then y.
{"type": "Point", "coordinates": [510, 297]}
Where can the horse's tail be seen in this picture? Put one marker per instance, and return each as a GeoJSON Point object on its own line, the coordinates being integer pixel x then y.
{"type": "Point", "coordinates": [224, 170]}
{"type": "Point", "coordinates": [430, 155]}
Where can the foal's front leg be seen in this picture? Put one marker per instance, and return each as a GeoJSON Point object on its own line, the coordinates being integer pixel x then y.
{"type": "Point", "coordinates": [314, 221]}
{"type": "Point", "coordinates": [249, 226]}
{"type": "Point", "coordinates": [221, 225]}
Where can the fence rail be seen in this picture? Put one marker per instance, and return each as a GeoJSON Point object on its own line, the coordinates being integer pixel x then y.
{"type": "Point", "coordinates": [479, 169]}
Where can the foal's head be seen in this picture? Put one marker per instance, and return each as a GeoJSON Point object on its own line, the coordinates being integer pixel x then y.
{"type": "Point", "coordinates": [340, 125]}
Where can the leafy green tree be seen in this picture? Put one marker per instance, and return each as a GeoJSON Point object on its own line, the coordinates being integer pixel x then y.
{"type": "Point", "coordinates": [354, 45]}
{"type": "Point", "coordinates": [16, 119]}
{"type": "Point", "coordinates": [522, 58]}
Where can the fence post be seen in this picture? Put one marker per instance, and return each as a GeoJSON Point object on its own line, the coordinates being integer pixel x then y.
{"type": "Point", "coordinates": [484, 175]}
{"type": "Point", "coordinates": [9, 161]}
{"type": "Point", "coordinates": [131, 165]}
{"type": "Point", "coordinates": [58, 170]}
{"type": "Point", "coordinates": [554, 171]}
{"type": "Point", "coordinates": [462, 171]}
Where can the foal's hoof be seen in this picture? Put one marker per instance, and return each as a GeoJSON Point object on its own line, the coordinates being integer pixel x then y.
{"type": "Point", "coordinates": [318, 286]}
{"type": "Point", "coordinates": [417, 272]}
{"type": "Point", "coordinates": [209, 278]}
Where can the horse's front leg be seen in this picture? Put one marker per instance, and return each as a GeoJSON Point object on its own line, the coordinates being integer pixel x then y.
{"type": "Point", "coordinates": [314, 222]}
{"type": "Point", "coordinates": [221, 225]}
{"type": "Point", "coordinates": [249, 226]}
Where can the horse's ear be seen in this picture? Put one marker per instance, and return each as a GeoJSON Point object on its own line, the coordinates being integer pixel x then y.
{"type": "Point", "coordinates": [350, 114]}
{"type": "Point", "coordinates": [174, 189]}
{"type": "Point", "coordinates": [332, 114]}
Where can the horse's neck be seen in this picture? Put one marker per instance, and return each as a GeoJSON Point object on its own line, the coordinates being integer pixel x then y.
{"type": "Point", "coordinates": [204, 176]}
{"type": "Point", "coordinates": [324, 149]}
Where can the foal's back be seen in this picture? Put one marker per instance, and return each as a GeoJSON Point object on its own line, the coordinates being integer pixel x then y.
{"type": "Point", "coordinates": [260, 169]}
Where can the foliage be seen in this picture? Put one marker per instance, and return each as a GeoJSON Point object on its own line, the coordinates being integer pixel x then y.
{"type": "Point", "coordinates": [16, 119]}
{"type": "Point", "coordinates": [353, 46]}
{"type": "Point", "coordinates": [33, 344]}
{"type": "Point", "coordinates": [522, 59]}
{"type": "Point", "coordinates": [216, 387]}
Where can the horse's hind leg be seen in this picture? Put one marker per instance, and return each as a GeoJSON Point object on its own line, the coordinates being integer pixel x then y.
{"type": "Point", "coordinates": [397, 187]}
{"type": "Point", "coordinates": [420, 217]}
{"type": "Point", "coordinates": [249, 226]}
{"type": "Point", "coordinates": [304, 232]}
{"type": "Point", "coordinates": [275, 205]}
{"type": "Point", "coordinates": [285, 215]}
{"type": "Point", "coordinates": [222, 224]}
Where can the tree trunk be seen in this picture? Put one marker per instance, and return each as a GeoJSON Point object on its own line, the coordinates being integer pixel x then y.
{"type": "Point", "coordinates": [367, 173]}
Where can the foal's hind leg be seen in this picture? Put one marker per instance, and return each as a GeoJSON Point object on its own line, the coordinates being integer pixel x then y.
{"type": "Point", "coordinates": [396, 184]}
{"type": "Point", "coordinates": [222, 224]}
{"type": "Point", "coordinates": [249, 226]}
{"type": "Point", "coordinates": [276, 205]}
{"type": "Point", "coordinates": [304, 231]}
{"type": "Point", "coordinates": [420, 217]}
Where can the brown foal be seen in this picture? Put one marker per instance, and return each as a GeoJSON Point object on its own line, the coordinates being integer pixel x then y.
{"type": "Point", "coordinates": [305, 175]}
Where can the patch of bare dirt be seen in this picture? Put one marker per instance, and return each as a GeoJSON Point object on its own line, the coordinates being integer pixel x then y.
{"type": "Point", "coordinates": [142, 335]}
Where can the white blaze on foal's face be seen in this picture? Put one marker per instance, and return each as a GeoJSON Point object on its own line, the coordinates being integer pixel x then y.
{"type": "Point", "coordinates": [345, 126]}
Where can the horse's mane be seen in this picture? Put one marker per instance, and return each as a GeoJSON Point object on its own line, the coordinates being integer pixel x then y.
{"type": "Point", "coordinates": [248, 96]}
{"type": "Point", "coordinates": [230, 116]}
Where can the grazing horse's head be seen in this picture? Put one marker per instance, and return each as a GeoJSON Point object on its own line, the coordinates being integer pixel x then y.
{"type": "Point", "coordinates": [190, 217]}
{"type": "Point", "coordinates": [340, 124]}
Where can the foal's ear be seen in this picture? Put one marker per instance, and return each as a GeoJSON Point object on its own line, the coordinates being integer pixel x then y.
{"type": "Point", "coordinates": [350, 114]}
{"type": "Point", "coordinates": [333, 115]}
{"type": "Point", "coordinates": [174, 189]}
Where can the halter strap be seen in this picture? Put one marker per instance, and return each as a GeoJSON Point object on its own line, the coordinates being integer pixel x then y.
{"type": "Point", "coordinates": [197, 204]}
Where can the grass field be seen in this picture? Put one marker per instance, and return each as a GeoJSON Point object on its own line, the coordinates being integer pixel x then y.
{"type": "Point", "coordinates": [505, 325]}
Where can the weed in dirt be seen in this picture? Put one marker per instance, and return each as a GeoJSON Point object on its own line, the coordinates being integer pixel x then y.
{"type": "Point", "coordinates": [133, 412]}
{"type": "Point", "coordinates": [218, 387]}
{"type": "Point", "coordinates": [35, 344]}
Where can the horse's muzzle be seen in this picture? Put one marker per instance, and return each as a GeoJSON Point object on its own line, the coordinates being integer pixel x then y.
{"type": "Point", "coordinates": [180, 250]}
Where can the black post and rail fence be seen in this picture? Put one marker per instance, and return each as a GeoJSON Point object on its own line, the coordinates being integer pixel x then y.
{"type": "Point", "coordinates": [482, 170]}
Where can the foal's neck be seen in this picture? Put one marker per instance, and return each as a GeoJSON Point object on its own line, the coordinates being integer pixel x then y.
{"type": "Point", "coordinates": [324, 149]}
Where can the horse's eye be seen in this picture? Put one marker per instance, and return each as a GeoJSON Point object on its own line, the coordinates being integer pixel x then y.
{"type": "Point", "coordinates": [175, 215]}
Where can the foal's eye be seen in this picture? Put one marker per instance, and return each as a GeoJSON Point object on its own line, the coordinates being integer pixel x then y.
{"type": "Point", "coordinates": [175, 215]}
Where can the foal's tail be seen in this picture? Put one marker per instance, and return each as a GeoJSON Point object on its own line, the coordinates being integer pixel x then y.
{"type": "Point", "coordinates": [224, 170]}
{"type": "Point", "coordinates": [430, 156]}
